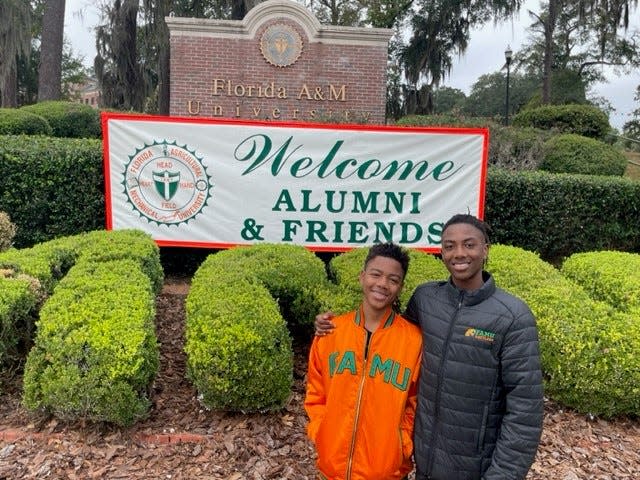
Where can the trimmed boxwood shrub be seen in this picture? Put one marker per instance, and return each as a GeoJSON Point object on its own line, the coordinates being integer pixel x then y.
{"type": "Point", "coordinates": [585, 120]}
{"type": "Point", "coordinates": [577, 154]}
{"type": "Point", "coordinates": [291, 273]}
{"type": "Point", "coordinates": [14, 121]}
{"type": "Point", "coordinates": [103, 246]}
{"type": "Point", "coordinates": [611, 277]}
{"type": "Point", "coordinates": [95, 352]}
{"type": "Point", "coordinates": [68, 119]}
{"type": "Point", "coordinates": [588, 350]}
{"type": "Point", "coordinates": [239, 353]}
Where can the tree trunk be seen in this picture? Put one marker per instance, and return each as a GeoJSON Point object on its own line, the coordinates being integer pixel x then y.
{"type": "Point", "coordinates": [162, 33]}
{"type": "Point", "coordinates": [547, 68]}
{"type": "Point", "coordinates": [50, 71]}
{"type": "Point", "coordinates": [9, 94]}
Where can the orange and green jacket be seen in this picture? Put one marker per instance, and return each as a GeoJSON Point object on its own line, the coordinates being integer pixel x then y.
{"type": "Point", "coordinates": [361, 409]}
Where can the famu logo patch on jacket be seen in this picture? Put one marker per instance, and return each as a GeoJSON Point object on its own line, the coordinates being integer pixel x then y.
{"type": "Point", "coordinates": [479, 334]}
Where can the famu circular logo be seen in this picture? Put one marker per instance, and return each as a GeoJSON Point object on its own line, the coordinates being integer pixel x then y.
{"type": "Point", "coordinates": [166, 183]}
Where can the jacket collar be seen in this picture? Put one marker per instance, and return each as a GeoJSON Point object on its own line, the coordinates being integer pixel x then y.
{"type": "Point", "coordinates": [359, 318]}
{"type": "Point", "coordinates": [473, 297]}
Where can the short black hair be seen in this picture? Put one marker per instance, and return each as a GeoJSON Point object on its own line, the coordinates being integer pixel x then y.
{"type": "Point", "coordinates": [389, 250]}
{"type": "Point", "coordinates": [469, 220]}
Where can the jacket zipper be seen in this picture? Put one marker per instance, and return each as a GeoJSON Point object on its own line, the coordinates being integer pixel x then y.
{"type": "Point", "coordinates": [358, 403]}
{"type": "Point", "coordinates": [436, 416]}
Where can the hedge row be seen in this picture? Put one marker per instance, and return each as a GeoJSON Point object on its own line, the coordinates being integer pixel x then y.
{"type": "Point", "coordinates": [95, 351]}
{"type": "Point", "coordinates": [51, 187]}
{"type": "Point", "coordinates": [611, 277]}
{"type": "Point", "coordinates": [56, 118]}
{"type": "Point", "coordinates": [589, 349]}
{"type": "Point", "coordinates": [95, 341]}
{"type": "Point", "coordinates": [557, 215]}
{"type": "Point", "coordinates": [239, 353]}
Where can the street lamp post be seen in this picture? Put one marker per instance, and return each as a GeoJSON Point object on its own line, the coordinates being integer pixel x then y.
{"type": "Point", "coordinates": [507, 56]}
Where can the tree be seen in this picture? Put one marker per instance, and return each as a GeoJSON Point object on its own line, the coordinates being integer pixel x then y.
{"type": "Point", "coordinates": [125, 84]}
{"type": "Point", "coordinates": [50, 71]}
{"type": "Point", "coordinates": [595, 21]}
{"type": "Point", "coordinates": [15, 38]}
{"type": "Point", "coordinates": [631, 129]}
{"type": "Point", "coordinates": [487, 95]}
{"type": "Point", "coordinates": [447, 99]}
{"type": "Point", "coordinates": [440, 28]}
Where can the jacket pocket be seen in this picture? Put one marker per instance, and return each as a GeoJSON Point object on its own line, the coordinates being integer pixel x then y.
{"type": "Point", "coordinates": [483, 428]}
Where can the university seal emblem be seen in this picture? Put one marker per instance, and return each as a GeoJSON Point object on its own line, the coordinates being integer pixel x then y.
{"type": "Point", "coordinates": [281, 45]}
{"type": "Point", "coordinates": [166, 183]}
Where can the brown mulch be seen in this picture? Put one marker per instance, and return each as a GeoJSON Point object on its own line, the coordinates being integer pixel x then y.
{"type": "Point", "coordinates": [183, 440]}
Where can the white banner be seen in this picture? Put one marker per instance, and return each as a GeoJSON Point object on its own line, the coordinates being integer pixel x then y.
{"type": "Point", "coordinates": [219, 183]}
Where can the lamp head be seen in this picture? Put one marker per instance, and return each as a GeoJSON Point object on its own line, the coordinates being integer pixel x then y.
{"type": "Point", "coordinates": [508, 54]}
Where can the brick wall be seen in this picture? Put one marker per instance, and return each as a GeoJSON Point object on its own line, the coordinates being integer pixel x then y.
{"type": "Point", "coordinates": [218, 69]}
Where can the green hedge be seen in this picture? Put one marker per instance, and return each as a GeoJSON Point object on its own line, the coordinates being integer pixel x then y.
{"type": "Point", "coordinates": [68, 119]}
{"type": "Point", "coordinates": [104, 306]}
{"type": "Point", "coordinates": [585, 120]}
{"type": "Point", "coordinates": [239, 352]}
{"type": "Point", "coordinates": [95, 352]}
{"type": "Point", "coordinates": [14, 121]}
{"type": "Point", "coordinates": [611, 277]}
{"type": "Point", "coordinates": [557, 215]}
{"type": "Point", "coordinates": [588, 350]}
{"type": "Point", "coordinates": [18, 311]}
{"type": "Point", "coordinates": [292, 274]}
{"type": "Point", "coordinates": [51, 187]}
{"type": "Point", "coordinates": [572, 153]}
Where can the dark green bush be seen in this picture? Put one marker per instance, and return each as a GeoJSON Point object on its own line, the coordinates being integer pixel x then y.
{"type": "Point", "coordinates": [18, 302]}
{"type": "Point", "coordinates": [517, 149]}
{"type": "Point", "coordinates": [15, 121]}
{"type": "Point", "coordinates": [52, 187]}
{"type": "Point", "coordinates": [239, 353]}
{"type": "Point", "coordinates": [560, 214]}
{"type": "Point", "coordinates": [68, 119]}
{"type": "Point", "coordinates": [585, 120]}
{"type": "Point", "coordinates": [571, 153]}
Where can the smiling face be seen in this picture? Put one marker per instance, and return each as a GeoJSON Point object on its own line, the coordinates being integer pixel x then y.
{"type": "Point", "coordinates": [381, 282]}
{"type": "Point", "coordinates": [464, 251]}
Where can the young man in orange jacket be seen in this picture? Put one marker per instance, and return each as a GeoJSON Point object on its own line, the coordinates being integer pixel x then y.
{"type": "Point", "coordinates": [362, 380]}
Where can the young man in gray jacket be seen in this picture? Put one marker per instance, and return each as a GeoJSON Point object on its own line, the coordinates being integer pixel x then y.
{"type": "Point", "coordinates": [480, 404]}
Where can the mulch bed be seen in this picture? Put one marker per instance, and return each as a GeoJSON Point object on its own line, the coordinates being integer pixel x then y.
{"type": "Point", "coordinates": [183, 440]}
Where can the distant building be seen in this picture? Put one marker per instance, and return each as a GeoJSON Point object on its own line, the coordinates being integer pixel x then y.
{"type": "Point", "coordinates": [88, 93]}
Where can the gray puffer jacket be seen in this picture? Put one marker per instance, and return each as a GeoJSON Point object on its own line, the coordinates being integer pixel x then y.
{"type": "Point", "coordinates": [480, 404]}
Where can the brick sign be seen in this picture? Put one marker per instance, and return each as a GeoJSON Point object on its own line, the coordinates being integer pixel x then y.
{"type": "Point", "coordinates": [278, 63]}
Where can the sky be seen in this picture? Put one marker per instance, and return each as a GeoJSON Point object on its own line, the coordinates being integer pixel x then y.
{"type": "Point", "coordinates": [484, 55]}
